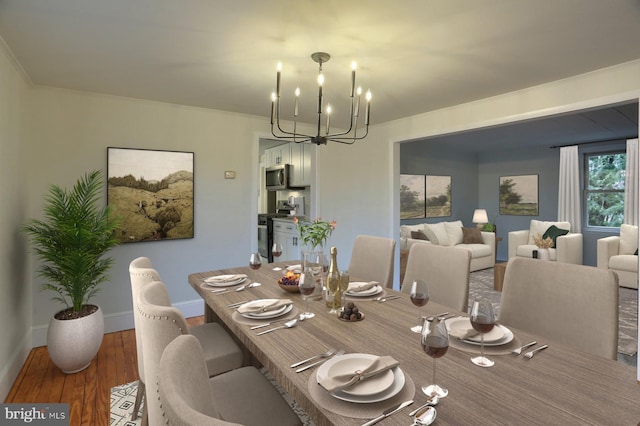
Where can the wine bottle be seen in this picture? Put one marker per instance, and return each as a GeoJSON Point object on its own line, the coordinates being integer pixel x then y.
{"type": "Point", "coordinates": [333, 282]}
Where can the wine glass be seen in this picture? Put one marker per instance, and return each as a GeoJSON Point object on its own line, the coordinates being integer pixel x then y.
{"type": "Point", "coordinates": [482, 320]}
{"type": "Point", "coordinates": [419, 297]}
{"type": "Point", "coordinates": [344, 286]}
{"type": "Point", "coordinates": [276, 250]}
{"type": "Point", "coordinates": [435, 343]}
{"type": "Point", "coordinates": [255, 261]}
{"type": "Point", "coordinates": [307, 285]}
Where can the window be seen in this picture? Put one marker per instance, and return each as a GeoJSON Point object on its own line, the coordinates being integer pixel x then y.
{"type": "Point", "coordinates": [604, 188]}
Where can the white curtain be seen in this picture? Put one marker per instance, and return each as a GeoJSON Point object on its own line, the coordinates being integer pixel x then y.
{"type": "Point", "coordinates": [631, 184]}
{"type": "Point", "coordinates": [569, 188]}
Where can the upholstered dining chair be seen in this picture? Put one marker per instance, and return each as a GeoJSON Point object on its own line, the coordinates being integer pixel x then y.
{"type": "Point", "coordinates": [444, 269]}
{"type": "Point", "coordinates": [574, 305]}
{"type": "Point", "coordinates": [372, 259]}
{"type": "Point", "coordinates": [239, 397]}
{"type": "Point", "coordinates": [141, 272]}
{"type": "Point", "coordinates": [160, 323]}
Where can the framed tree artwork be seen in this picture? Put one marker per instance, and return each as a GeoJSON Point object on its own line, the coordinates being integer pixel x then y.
{"type": "Point", "coordinates": [438, 196]}
{"type": "Point", "coordinates": [412, 196]}
{"type": "Point", "coordinates": [519, 195]}
{"type": "Point", "coordinates": [152, 192]}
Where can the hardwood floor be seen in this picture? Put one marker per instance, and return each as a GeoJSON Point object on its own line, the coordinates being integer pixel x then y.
{"type": "Point", "coordinates": [86, 392]}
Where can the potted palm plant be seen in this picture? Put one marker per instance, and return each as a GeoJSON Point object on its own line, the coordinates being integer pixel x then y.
{"type": "Point", "coordinates": [72, 241]}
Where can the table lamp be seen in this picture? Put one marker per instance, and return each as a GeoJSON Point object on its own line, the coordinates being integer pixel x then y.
{"type": "Point", "coordinates": [480, 217]}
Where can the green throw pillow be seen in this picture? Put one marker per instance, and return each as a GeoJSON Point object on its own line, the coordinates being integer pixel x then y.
{"type": "Point", "coordinates": [554, 232]}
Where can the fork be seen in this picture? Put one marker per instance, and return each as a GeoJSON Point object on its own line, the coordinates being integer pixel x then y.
{"type": "Point", "coordinates": [384, 299]}
{"type": "Point", "coordinates": [322, 355]}
{"type": "Point", "coordinates": [340, 352]}
{"type": "Point", "coordinates": [530, 354]}
{"type": "Point", "coordinates": [519, 350]}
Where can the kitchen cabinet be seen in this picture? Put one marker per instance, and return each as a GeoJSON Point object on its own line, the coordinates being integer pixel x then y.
{"type": "Point", "coordinates": [286, 233]}
{"type": "Point", "coordinates": [300, 155]}
{"type": "Point", "coordinates": [277, 155]}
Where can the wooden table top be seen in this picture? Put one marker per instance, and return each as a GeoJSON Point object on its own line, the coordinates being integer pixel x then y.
{"type": "Point", "coordinates": [558, 386]}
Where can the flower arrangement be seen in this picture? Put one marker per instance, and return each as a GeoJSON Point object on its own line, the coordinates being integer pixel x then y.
{"type": "Point", "coordinates": [315, 233]}
{"type": "Point", "coordinates": [543, 243]}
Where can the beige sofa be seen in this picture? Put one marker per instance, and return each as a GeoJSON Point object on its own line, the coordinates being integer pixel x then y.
{"type": "Point", "coordinates": [616, 253]}
{"type": "Point", "coordinates": [483, 253]}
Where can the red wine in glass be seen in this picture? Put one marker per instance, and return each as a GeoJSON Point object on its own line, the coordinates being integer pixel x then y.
{"type": "Point", "coordinates": [435, 346]}
{"type": "Point", "coordinates": [307, 291]}
{"type": "Point", "coordinates": [482, 324]}
{"type": "Point", "coordinates": [482, 320]}
{"type": "Point", "coordinates": [435, 343]}
{"type": "Point", "coordinates": [307, 285]}
{"type": "Point", "coordinates": [276, 250]}
{"type": "Point", "coordinates": [419, 297]}
{"type": "Point", "coordinates": [255, 262]}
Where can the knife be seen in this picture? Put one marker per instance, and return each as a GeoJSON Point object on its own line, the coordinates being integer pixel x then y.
{"type": "Point", "coordinates": [387, 413]}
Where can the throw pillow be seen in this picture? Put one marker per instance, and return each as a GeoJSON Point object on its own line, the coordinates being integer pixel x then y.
{"type": "Point", "coordinates": [472, 236]}
{"type": "Point", "coordinates": [419, 235]}
{"type": "Point", "coordinates": [454, 232]}
{"type": "Point", "coordinates": [540, 227]}
{"type": "Point", "coordinates": [437, 233]}
{"type": "Point", "coordinates": [628, 239]}
{"type": "Point", "coordinates": [554, 232]}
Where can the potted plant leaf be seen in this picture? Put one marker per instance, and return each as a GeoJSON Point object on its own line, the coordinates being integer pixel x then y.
{"type": "Point", "coordinates": [72, 241]}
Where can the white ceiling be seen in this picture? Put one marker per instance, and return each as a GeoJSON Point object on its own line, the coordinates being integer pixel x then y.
{"type": "Point", "coordinates": [415, 55]}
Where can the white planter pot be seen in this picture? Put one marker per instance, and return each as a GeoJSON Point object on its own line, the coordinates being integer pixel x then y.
{"type": "Point", "coordinates": [543, 254]}
{"type": "Point", "coordinates": [72, 344]}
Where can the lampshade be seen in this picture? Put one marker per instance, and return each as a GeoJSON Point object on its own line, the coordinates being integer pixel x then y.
{"type": "Point", "coordinates": [480, 216]}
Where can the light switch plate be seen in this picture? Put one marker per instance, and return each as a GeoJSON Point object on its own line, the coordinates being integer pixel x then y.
{"type": "Point", "coordinates": [228, 174]}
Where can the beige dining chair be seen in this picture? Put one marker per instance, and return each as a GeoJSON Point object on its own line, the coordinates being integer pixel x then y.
{"type": "Point", "coordinates": [239, 397]}
{"type": "Point", "coordinates": [160, 323]}
{"type": "Point", "coordinates": [141, 272]}
{"type": "Point", "coordinates": [575, 305]}
{"type": "Point", "coordinates": [444, 269]}
{"type": "Point", "coordinates": [372, 259]}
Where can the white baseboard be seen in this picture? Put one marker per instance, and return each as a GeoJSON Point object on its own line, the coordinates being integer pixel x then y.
{"type": "Point", "coordinates": [11, 369]}
{"type": "Point", "coordinates": [120, 321]}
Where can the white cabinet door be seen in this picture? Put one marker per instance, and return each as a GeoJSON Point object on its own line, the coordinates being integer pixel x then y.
{"type": "Point", "coordinates": [300, 165]}
{"type": "Point", "coordinates": [286, 233]}
{"type": "Point", "coordinates": [277, 155]}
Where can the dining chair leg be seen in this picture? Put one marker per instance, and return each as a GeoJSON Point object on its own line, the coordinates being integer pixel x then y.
{"type": "Point", "coordinates": [145, 415]}
{"type": "Point", "coordinates": [139, 398]}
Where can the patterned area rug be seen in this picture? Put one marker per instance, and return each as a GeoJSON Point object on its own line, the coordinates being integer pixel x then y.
{"type": "Point", "coordinates": [481, 285]}
{"type": "Point", "coordinates": [123, 397]}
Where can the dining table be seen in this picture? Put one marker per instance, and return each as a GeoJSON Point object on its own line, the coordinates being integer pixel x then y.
{"type": "Point", "coordinates": [558, 386]}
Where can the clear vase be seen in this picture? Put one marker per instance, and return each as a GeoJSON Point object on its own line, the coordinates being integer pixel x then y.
{"type": "Point", "coordinates": [312, 261]}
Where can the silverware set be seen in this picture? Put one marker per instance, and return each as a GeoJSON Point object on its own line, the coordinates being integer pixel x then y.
{"type": "Point", "coordinates": [530, 354]}
{"type": "Point", "coordinates": [383, 299]}
{"type": "Point", "coordinates": [325, 358]}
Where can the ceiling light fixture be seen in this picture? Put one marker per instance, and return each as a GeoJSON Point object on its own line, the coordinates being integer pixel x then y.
{"type": "Point", "coordinates": [347, 137]}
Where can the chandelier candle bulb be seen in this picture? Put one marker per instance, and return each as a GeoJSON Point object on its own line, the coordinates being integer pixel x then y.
{"type": "Point", "coordinates": [359, 93]}
{"type": "Point", "coordinates": [353, 77]}
{"type": "Point", "coordinates": [367, 111]}
{"type": "Point", "coordinates": [295, 105]}
{"type": "Point", "coordinates": [278, 79]}
{"type": "Point", "coordinates": [328, 116]}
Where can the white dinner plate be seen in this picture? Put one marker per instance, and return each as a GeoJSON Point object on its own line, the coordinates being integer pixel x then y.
{"type": "Point", "coordinates": [391, 391]}
{"type": "Point", "coordinates": [500, 330]}
{"type": "Point", "coordinates": [240, 279]}
{"type": "Point", "coordinates": [462, 324]}
{"type": "Point", "coordinates": [268, 314]}
{"type": "Point", "coordinates": [371, 386]}
{"type": "Point", "coordinates": [369, 292]}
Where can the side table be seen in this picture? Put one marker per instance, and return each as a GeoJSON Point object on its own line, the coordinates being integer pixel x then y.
{"type": "Point", "coordinates": [498, 275]}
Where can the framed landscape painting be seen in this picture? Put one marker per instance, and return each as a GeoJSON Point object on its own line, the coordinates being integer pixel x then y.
{"type": "Point", "coordinates": [152, 193]}
{"type": "Point", "coordinates": [412, 196]}
{"type": "Point", "coordinates": [519, 195]}
{"type": "Point", "coordinates": [438, 194]}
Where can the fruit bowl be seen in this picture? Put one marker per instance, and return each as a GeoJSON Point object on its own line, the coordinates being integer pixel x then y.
{"type": "Point", "coordinates": [289, 282]}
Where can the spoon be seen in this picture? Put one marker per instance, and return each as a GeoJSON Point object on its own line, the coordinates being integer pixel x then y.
{"type": "Point", "coordinates": [433, 401]}
{"type": "Point", "coordinates": [288, 324]}
{"type": "Point", "coordinates": [384, 299]}
{"type": "Point", "coordinates": [425, 417]}
{"type": "Point", "coordinates": [327, 354]}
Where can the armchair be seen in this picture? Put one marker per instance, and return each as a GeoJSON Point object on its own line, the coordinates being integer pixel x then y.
{"type": "Point", "coordinates": [620, 255]}
{"type": "Point", "coordinates": [568, 248]}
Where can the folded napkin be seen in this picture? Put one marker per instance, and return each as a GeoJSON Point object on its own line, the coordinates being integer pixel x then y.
{"type": "Point", "coordinates": [267, 306]}
{"type": "Point", "coordinates": [343, 381]}
{"type": "Point", "coordinates": [463, 334]}
{"type": "Point", "coordinates": [225, 278]}
{"type": "Point", "coordinates": [356, 287]}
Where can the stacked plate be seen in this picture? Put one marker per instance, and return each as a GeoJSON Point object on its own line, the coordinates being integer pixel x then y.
{"type": "Point", "coordinates": [499, 335]}
{"type": "Point", "coordinates": [375, 389]}
{"type": "Point", "coordinates": [269, 314]}
{"type": "Point", "coordinates": [372, 291]}
{"type": "Point", "coordinates": [225, 280]}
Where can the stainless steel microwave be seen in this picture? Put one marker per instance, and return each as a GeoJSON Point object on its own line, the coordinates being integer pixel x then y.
{"type": "Point", "coordinates": [277, 177]}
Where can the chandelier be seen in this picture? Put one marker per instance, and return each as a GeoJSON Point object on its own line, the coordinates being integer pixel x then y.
{"type": "Point", "coordinates": [347, 137]}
